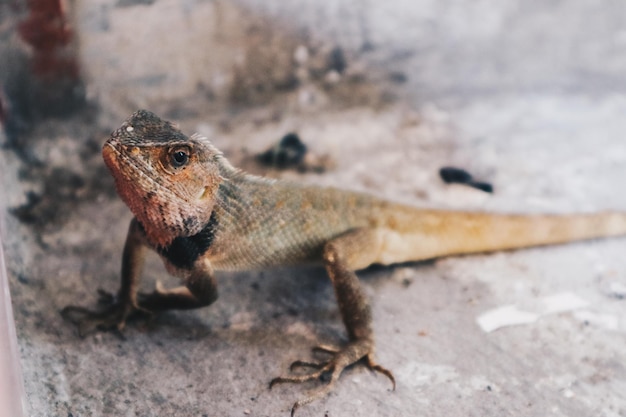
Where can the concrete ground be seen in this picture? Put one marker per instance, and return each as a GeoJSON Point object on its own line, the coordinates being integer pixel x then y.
{"type": "Point", "coordinates": [529, 97]}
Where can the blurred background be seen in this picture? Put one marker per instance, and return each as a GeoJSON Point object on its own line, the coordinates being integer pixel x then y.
{"type": "Point", "coordinates": [527, 96]}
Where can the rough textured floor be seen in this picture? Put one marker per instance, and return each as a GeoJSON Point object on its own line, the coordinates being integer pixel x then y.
{"type": "Point", "coordinates": [529, 98]}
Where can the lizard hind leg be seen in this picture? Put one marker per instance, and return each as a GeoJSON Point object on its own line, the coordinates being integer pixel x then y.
{"type": "Point", "coordinates": [341, 255]}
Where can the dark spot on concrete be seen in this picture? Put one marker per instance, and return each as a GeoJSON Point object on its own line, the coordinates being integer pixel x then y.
{"type": "Point", "coordinates": [337, 60]}
{"type": "Point", "coordinates": [157, 398]}
{"type": "Point", "coordinates": [398, 77]}
{"type": "Point", "coordinates": [483, 186]}
{"type": "Point", "coordinates": [451, 175]}
{"type": "Point", "coordinates": [61, 186]}
{"type": "Point", "coordinates": [288, 153]}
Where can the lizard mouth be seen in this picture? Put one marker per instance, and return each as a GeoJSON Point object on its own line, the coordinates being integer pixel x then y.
{"type": "Point", "coordinates": [124, 168]}
{"type": "Point", "coordinates": [121, 164]}
{"type": "Point", "coordinates": [110, 155]}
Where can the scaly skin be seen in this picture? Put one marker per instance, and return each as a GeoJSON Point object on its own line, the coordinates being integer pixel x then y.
{"type": "Point", "coordinates": [201, 214]}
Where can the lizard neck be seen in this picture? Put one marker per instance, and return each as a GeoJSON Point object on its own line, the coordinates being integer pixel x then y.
{"type": "Point", "coordinates": [183, 252]}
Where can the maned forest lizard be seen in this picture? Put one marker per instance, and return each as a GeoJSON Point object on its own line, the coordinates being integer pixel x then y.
{"type": "Point", "coordinates": [200, 214]}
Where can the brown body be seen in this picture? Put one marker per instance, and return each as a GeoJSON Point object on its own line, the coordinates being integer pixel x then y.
{"type": "Point", "coordinates": [295, 223]}
{"type": "Point", "coordinates": [201, 214]}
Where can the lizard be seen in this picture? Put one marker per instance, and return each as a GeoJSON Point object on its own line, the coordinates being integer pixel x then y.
{"type": "Point", "coordinates": [201, 215]}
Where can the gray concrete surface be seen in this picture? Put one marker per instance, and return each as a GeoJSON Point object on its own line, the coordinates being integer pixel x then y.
{"type": "Point", "coordinates": [529, 96]}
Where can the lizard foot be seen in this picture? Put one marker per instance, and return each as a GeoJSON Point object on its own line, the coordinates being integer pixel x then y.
{"type": "Point", "coordinates": [341, 359]}
{"type": "Point", "coordinates": [112, 317]}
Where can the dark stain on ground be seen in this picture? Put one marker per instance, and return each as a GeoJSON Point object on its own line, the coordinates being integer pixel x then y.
{"type": "Point", "coordinates": [337, 60]}
{"type": "Point", "coordinates": [289, 152]}
{"type": "Point", "coordinates": [452, 175]}
{"type": "Point", "coordinates": [60, 189]}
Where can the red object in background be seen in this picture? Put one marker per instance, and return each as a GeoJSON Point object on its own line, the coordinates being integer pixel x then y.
{"type": "Point", "coordinates": [47, 30]}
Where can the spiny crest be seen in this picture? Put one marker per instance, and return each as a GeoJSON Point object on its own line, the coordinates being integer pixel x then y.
{"type": "Point", "coordinates": [209, 148]}
{"type": "Point", "coordinates": [144, 128]}
{"type": "Point", "coordinates": [226, 169]}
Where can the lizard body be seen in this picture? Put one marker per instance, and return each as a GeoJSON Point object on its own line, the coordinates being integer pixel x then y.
{"type": "Point", "coordinates": [201, 214]}
{"type": "Point", "coordinates": [294, 222]}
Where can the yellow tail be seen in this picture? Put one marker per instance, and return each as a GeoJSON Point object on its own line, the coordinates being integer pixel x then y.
{"type": "Point", "coordinates": [413, 235]}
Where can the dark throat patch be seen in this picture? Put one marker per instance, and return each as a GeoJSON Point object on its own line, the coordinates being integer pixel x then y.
{"type": "Point", "coordinates": [183, 252]}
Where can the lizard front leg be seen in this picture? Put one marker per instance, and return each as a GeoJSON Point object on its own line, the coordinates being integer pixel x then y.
{"type": "Point", "coordinates": [122, 306]}
{"type": "Point", "coordinates": [353, 250]}
{"type": "Point", "coordinates": [200, 290]}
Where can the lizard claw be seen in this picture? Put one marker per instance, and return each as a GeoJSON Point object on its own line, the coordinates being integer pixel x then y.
{"type": "Point", "coordinates": [89, 321]}
{"type": "Point", "coordinates": [105, 297]}
{"type": "Point", "coordinates": [112, 317]}
{"type": "Point", "coordinates": [341, 358]}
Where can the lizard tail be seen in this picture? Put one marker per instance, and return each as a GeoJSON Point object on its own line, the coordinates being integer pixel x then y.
{"type": "Point", "coordinates": [431, 234]}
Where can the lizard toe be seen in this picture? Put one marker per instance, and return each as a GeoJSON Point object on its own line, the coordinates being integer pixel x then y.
{"type": "Point", "coordinates": [356, 351]}
{"type": "Point", "coordinates": [87, 321]}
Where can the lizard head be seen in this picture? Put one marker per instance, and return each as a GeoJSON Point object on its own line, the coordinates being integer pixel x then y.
{"type": "Point", "coordinates": [168, 180]}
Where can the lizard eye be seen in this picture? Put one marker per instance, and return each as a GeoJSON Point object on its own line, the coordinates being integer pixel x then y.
{"type": "Point", "coordinates": [179, 157]}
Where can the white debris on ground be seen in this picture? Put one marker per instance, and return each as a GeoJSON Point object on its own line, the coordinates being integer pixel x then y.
{"type": "Point", "coordinates": [512, 315]}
